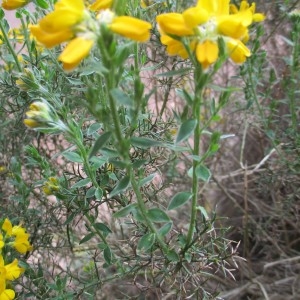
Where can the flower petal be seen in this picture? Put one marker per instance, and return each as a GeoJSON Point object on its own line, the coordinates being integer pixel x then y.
{"type": "Point", "coordinates": [173, 23]}
{"type": "Point", "coordinates": [75, 51]}
{"type": "Point", "coordinates": [207, 53]}
{"type": "Point", "coordinates": [50, 39]}
{"type": "Point", "coordinates": [195, 16]}
{"type": "Point", "coordinates": [13, 271]}
{"type": "Point", "coordinates": [132, 28]}
{"type": "Point", "coordinates": [238, 52]}
{"type": "Point", "coordinates": [13, 4]}
{"type": "Point", "coordinates": [101, 4]}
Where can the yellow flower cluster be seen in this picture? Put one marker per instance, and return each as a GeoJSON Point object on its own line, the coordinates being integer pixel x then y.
{"type": "Point", "coordinates": [198, 29]}
{"type": "Point", "coordinates": [71, 21]}
{"type": "Point", "coordinates": [41, 115]}
{"type": "Point", "coordinates": [16, 237]}
{"type": "Point", "coordinates": [38, 114]}
{"type": "Point", "coordinates": [51, 186]}
{"type": "Point", "coordinates": [195, 31]}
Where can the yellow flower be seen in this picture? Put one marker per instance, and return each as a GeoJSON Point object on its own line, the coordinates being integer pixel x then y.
{"type": "Point", "coordinates": [8, 272]}
{"type": "Point", "coordinates": [7, 227]}
{"type": "Point", "coordinates": [11, 271]}
{"type": "Point", "coordinates": [101, 4]}
{"type": "Point", "coordinates": [50, 39]}
{"type": "Point", "coordinates": [207, 53]}
{"type": "Point", "coordinates": [38, 115]}
{"type": "Point", "coordinates": [200, 28]}
{"type": "Point", "coordinates": [126, 26]}
{"type": "Point", "coordinates": [51, 186]}
{"type": "Point", "coordinates": [244, 6]}
{"type": "Point", "coordinates": [27, 81]}
{"type": "Point", "coordinates": [1, 242]}
{"type": "Point", "coordinates": [20, 242]}
{"type": "Point", "coordinates": [68, 20]}
{"type": "Point", "coordinates": [75, 52]}
{"type": "Point", "coordinates": [71, 22]}
{"type": "Point", "coordinates": [7, 294]}
{"type": "Point", "coordinates": [132, 28]}
{"type": "Point", "coordinates": [13, 4]}
{"type": "Point", "coordinates": [59, 25]}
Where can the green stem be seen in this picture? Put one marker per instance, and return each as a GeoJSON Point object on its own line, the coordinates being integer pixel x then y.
{"type": "Point", "coordinates": [143, 210]}
{"type": "Point", "coordinates": [200, 80]}
{"type": "Point", "coordinates": [27, 39]}
{"type": "Point", "coordinates": [195, 183]}
{"type": "Point", "coordinates": [11, 49]}
{"type": "Point", "coordinates": [122, 142]}
{"type": "Point", "coordinates": [91, 221]}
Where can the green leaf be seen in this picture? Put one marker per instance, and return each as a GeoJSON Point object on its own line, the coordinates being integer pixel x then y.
{"type": "Point", "coordinates": [144, 143]}
{"type": "Point", "coordinates": [165, 229]}
{"type": "Point", "coordinates": [93, 128]}
{"type": "Point", "coordinates": [107, 255]}
{"type": "Point", "coordinates": [121, 186]}
{"type": "Point", "coordinates": [203, 212]}
{"type": "Point", "coordinates": [2, 14]}
{"type": "Point", "coordinates": [182, 71]}
{"type": "Point", "coordinates": [72, 156]}
{"type": "Point", "coordinates": [102, 246]}
{"type": "Point", "coordinates": [146, 180]}
{"type": "Point", "coordinates": [125, 211]}
{"type": "Point", "coordinates": [98, 161]}
{"type": "Point", "coordinates": [107, 152]}
{"type": "Point", "coordinates": [117, 163]}
{"type": "Point", "coordinates": [186, 129]}
{"type": "Point", "coordinates": [173, 256]}
{"type": "Point", "coordinates": [219, 88]}
{"type": "Point", "coordinates": [102, 227]}
{"type": "Point", "coordinates": [90, 193]}
{"type": "Point", "coordinates": [146, 242]}
{"type": "Point", "coordinates": [138, 163]}
{"type": "Point", "coordinates": [179, 199]}
{"type": "Point", "coordinates": [86, 238]}
{"type": "Point", "coordinates": [203, 173]}
{"type": "Point", "coordinates": [81, 183]}
{"type": "Point", "coordinates": [138, 215]}
{"type": "Point", "coordinates": [98, 193]}
{"type": "Point", "coordinates": [185, 95]}
{"type": "Point", "coordinates": [101, 141]}
{"type": "Point", "coordinates": [121, 98]}
{"type": "Point", "coordinates": [42, 4]}
{"type": "Point", "coordinates": [157, 215]}
{"type": "Point", "coordinates": [70, 218]}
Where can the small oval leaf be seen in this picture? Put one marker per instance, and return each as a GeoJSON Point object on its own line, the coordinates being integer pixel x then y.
{"type": "Point", "coordinates": [165, 229]}
{"type": "Point", "coordinates": [102, 227]}
{"type": "Point", "coordinates": [121, 186]}
{"type": "Point", "coordinates": [90, 193]}
{"type": "Point", "coordinates": [101, 141]}
{"type": "Point", "coordinates": [81, 183]}
{"type": "Point", "coordinates": [179, 199]}
{"type": "Point", "coordinates": [146, 242]}
{"type": "Point", "coordinates": [157, 215]}
{"type": "Point", "coordinates": [144, 143]}
{"type": "Point", "coordinates": [203, 173]}
{"type": "Point", "coordinates": [86, 238]}
{"type": "Point", "coordinates": [73, 157]}
{"type": "Point", "coordinates": [107, 255]}
{"type": "Point", "coordinates": [125, 211]}
{"type": "Point", "coordinates": [186, 129]}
